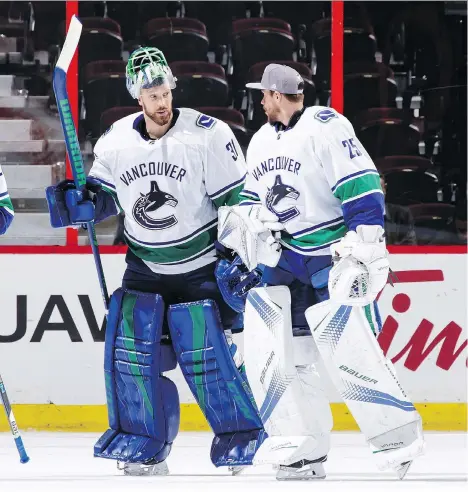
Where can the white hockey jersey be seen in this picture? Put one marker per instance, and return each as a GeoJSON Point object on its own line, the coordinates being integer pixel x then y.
{"type": "Point", "coordinates": [314, 176]}
{"type": "Point", "coordinates": [170, 188]}
{"type": "Point", "coordinates": [5, 203]}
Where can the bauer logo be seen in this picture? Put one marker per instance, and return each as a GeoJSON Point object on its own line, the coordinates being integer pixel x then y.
{"type": "Point", "coordinates": [149, 205]}
{"type": "Point", "coordinates": [358, 375]}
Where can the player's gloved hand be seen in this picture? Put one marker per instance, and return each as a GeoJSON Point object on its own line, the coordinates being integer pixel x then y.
{"type": "Point", "coordinates": [69, 206]}
{"type": "Point", "coordinates": [269, 248]}
{"type": "Point", "coordinates": [258, 218]}
{"type": "Point", "coordinates": [367, 246]}
{"type": "Point", "coordinates": [248, 231]}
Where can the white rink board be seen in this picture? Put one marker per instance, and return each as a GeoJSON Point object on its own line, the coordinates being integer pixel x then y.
{"type": "Point", "coordinates": [57, 370]}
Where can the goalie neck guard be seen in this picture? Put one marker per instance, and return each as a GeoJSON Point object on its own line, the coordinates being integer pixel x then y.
{"type": "Point", "coordinates": [147, 67]}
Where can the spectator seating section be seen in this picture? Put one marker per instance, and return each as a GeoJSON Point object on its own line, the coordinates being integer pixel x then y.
{"type": "Point", "coordinates": [111, 115]}
{"type": "Point", "coordinates": [199, 84]}
{"type": "Point", "coordinates": [180, 39]}
{"type": "Point", "coordinates": [405, 187]}
{"type": "Point", "coordinates": [47, 16]}
{"type": "Point", "coordinates": [367, 85]}
{"type": "Point", "coordinates": [405, 163]}
{"type": "Point", "coordinates": [387, 131]}
{"type": "Point", "coordinates": [104, 87]}
{"type": "Point", "coordinates": [434, 223]}
{"type": "Point", "coordinates": [100, 40]}
{"type": "Point", "coordinates": [260, 39]}
{"type": "Point", "coordinates": [359, 45]}
{"type": "Point", "coordinates": [419, 148]}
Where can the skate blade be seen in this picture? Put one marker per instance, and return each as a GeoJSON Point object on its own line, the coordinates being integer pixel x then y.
{"type": "Point", "coordinates": [307, 473]}
{"type": "Point", "coordinates": [236, 470]}
{"type": "Point", "coordinates": [138, 470]}
{"type": "Point", "coordinates": [402, 470]}
{"type": "Point", "coordinates": [296, 478]}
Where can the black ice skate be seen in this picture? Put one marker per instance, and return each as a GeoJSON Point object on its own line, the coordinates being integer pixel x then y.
{"type": "Point", "coordinates": [302, 470]}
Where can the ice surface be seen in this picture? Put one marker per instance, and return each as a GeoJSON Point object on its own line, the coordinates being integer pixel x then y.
{"type": "Point", "coordinates": [64, 462]}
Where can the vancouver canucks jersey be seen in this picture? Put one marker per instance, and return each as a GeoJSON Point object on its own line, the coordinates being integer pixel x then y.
{"type": "Point", "coordinates": [316, 177]}
{"type": "Point", "coordinates": [170, 188]}
{"type": "Point", "coordinates": [6, 207]}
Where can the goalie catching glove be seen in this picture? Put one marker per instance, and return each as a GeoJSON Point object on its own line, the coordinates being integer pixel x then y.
{"type": "Point", "coordinates": [247, 231]}
{"type": "Point", "coordinates": [361, 266]}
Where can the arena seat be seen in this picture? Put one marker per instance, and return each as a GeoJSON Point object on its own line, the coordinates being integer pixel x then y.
{"type": "Point", "coordinates": [199, 84]}
{"type": "Point", "coordinates": [100, 40]}
{"type": "Point", "coordinates": [434, 223]}
{"type": "Point", "coordinates": [359, 44]}
{"type": "Point", "coordinates": [180, 39]}
{"type": "Point", "coordinates": [259, 39]}
{"type": "Point", "coordinates": [387, 131]}
{"type": "Point", "coordinates": [405, 187]}
{"type": "Point", "coordinates": [111, 115]}
{"type": "Point", "coordinates": [402, 163]}
{"type": "Point", "coordinates": [367, 85]}
{"type": "Point", "coordinates": [104, 87]}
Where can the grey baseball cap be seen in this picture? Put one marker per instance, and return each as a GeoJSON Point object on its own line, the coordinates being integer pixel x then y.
{"type": "Point", "coordinates": [279, 78]}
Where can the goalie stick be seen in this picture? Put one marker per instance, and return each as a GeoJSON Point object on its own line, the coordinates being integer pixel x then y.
{"type": "Point", "coordinates": [24, 458]}
{"type": "Point", "coordinates": [71, 140]}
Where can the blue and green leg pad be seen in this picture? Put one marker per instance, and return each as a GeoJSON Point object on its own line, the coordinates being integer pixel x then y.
{"type": "Point", "coordinates": [220, 388]}
{"type": "Point", "coordinates": [143, 405]}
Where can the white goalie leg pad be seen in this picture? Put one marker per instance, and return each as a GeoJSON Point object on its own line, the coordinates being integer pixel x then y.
{"type": "Point", "coordinates": [367, 382]}
{"type": "Point", "coordinates": [294, 411]}
{"type": "Point", "coordinates": [310, 370]}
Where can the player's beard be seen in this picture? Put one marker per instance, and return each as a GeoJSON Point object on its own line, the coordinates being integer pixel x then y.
{"type": "Point", "coordinates": [157, 118]}
{"type": "Point", "coordinates": [272, 115]}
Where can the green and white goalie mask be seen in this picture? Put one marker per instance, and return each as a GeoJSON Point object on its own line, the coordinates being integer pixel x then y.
{"type": "Point", "coordinates": [146, 68]}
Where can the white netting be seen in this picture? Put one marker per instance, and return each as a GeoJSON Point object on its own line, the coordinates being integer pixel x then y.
{"type": "Point", "coordinates": [348, 283]}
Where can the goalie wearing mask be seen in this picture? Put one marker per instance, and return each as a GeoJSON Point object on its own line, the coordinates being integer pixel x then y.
{"type": "Point", "coordinates": [168, 169]}
{"type": "Point", "coordinates": [309, 232]}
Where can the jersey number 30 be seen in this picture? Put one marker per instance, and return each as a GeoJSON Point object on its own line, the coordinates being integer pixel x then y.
{"type": "Point", "coordinates": [352, 148]}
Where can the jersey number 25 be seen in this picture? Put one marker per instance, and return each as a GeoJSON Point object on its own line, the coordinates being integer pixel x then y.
{"type": "Point", "coordinates": [352, 148]}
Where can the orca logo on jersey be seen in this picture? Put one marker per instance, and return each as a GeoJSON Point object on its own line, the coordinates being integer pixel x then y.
{"type": "Point", "coordinates": [278, 192]}
{"type": "Point", "coordinates": [151, 202]}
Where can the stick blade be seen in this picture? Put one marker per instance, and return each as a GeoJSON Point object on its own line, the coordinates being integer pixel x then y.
{"type": "Point", "coordinates": [70, 44]}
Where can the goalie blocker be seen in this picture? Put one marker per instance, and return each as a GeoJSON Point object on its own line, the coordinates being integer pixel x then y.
{"type": "Point", "coordinates": [143, 404]}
